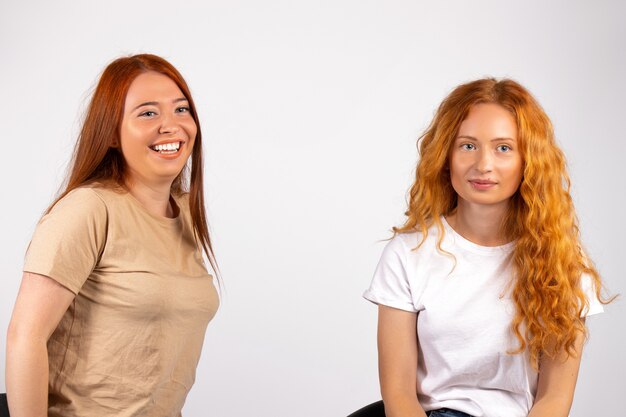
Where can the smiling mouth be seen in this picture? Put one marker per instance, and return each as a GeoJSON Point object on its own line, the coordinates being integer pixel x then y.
{"type": "Point", "coordinates": [167, 148]}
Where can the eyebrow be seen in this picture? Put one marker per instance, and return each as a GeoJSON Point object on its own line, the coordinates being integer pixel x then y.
{"type": "Point", "coordinates": [492, 140]}
{"type": "Point", "coordinates": [155, 103]}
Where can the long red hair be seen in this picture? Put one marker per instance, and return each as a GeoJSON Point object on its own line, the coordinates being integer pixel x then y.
{"type": "Point", "coordinates": [97, 158]}
{"type": "Point", "coordinates": [548, 257]}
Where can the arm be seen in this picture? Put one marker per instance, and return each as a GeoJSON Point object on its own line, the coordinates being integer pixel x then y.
{"type": "Point", "coordinates": [397, 362]}
{"type": "Point", "coordinates": [41, 303]}
{"type": "Point", "coordinates": [557, 380]}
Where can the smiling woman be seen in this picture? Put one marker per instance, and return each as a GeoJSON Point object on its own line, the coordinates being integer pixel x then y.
{"type": "Point", "coordinates": [115, 297]}
{"type": "Point", "coordinates": [157, 131]}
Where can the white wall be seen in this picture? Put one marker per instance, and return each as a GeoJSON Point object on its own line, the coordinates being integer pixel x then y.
{"type": "Point", "coordinates": [310, 111]}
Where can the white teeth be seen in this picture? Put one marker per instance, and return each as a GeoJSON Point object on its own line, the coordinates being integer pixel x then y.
{"type": "Point", "coordinates": [167, 147]}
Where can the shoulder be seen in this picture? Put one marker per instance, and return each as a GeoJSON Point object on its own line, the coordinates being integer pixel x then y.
{"type": "Point", "coordinates": [391, 284]}
{"type": "Point", "coordinates": [407, 240]}
{"type": "Point", "coordinates": [69, 238]}
{"type": "Point", "coordinates": [92, 200]}
{"type": "Point", "coordinates": [419, 254]}
{"type": "Point", "coordinates": [411, 242]}
{"type": "Point", "coordinates": [111, 196]}
{"type": "Point", "coordinates": [77, 209]}
{"type": "Point", "coordinates": [108, 194]}
{"type": "Point", "coordinates": [401, 242]}
{"type": "Point", "coordinates": [400, 246]}
{"type": "Point", "coordinates": [80, 201]}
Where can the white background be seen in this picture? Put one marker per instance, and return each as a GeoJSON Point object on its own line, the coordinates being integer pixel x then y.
{"type": "Point", "coordinates": [310, 112]}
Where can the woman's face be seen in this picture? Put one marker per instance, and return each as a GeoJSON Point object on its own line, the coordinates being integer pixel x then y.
{"type": "Point", "coordinates": [157, 132]}
{"type": "Point", "coordinates": [485, 161]}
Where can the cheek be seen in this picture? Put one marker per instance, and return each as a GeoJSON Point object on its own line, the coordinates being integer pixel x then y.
{"type": "Point", "coordinates": [515, 174]}
{"type": "Point", "coordinates": [456, 177]}
{"type": "Point", "coordinates": [518, 171]}
{"type": "Point", "coordinates": [192, 131]}
{"type": "Point", "coordinates": [135, 135]}
{"type": "Point", "coordinates": [457, 167]}
{"type": "Point", "coordinates": [133, 144]}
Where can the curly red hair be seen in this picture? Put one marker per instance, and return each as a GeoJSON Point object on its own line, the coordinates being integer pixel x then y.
{"type": "Point", "coordinates": [548, 258]}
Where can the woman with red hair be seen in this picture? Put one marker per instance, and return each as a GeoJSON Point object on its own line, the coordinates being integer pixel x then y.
{"type": "Point", "coordinates": [483, 292]}
{"type": "Point", "coordinates": [115, 298]}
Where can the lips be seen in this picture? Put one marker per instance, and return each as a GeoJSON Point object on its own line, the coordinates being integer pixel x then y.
{"type": "Point", "coordinates": [482, 184]}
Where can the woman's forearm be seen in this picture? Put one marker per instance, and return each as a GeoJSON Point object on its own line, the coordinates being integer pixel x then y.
{"type": "Point", "coordinates": [401, 405]}
{"type": "Point", "coordinates": [40, 305]}
{"type": "Point", "coordinates": [26, 375]}
{"type": "Point", "coordinates": [551, 407]}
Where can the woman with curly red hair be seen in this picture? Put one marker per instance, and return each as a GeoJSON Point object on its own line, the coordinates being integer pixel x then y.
{"type": "Point", "coordinates": [115, 296]}
{"type": "Point", "coordinates": [488, 267]}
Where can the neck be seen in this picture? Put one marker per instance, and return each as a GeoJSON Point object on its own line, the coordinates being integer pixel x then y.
{"type": "Point", "coordinates": [479, 224]}
{"type": "Point", "coordinates": [154, 197]}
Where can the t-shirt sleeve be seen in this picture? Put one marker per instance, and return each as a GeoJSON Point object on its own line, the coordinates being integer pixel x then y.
{"type": "Point", "coordinates": [588, 287]}
{"type": "Point", "coordinates": [69, 240]}
{"type": "Point", "coordinates": [390, 285]}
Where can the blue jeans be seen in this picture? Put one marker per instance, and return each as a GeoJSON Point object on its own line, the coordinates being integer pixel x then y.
{"type": "Point", "coordinates": [446, 412]}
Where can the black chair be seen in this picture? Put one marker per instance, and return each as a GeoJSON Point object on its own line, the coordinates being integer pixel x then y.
{"type": "Point", "coordinates": [4, 407]}
{"type": "Point", "coordinates": [376, 409]}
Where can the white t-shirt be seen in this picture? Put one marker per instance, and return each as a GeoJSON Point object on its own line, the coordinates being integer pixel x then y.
{"type": "Point", "coordinates": [463, 323]}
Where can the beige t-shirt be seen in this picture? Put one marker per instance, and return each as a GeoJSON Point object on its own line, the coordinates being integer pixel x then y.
{"type": "Point", "coordinates": [130, 341]}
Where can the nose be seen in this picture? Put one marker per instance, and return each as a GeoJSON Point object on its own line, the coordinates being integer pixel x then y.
{"type": "Point", "coordinates": [485, 161]}
{"type": "Point", "coordinates": [168, 125]}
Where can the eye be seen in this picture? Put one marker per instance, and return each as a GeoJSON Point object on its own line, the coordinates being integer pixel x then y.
{"type": "Point", "coordinates": [183, 109]}
{"type": "Point", "coordinates": [147, 113]}
{"type": "Point", "coordinates": [503, 148]}
{"type": "Point", "coordinates": [468, 146]}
